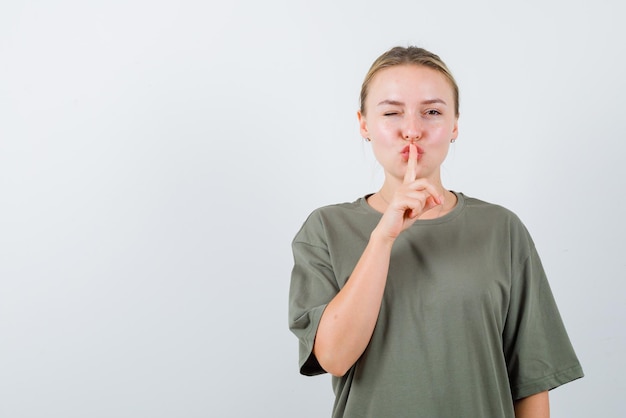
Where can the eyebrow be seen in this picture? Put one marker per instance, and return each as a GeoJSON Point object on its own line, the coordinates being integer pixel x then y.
{"type": "Point", "coordinates": [424, 102]}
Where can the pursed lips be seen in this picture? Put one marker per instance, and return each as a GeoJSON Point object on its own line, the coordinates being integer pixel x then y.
{"type": "Point", "coordinates": [405, 153]}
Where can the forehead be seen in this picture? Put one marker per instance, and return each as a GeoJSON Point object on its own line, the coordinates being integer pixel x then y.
{"type": "Point", "coordinates": [409, 81]}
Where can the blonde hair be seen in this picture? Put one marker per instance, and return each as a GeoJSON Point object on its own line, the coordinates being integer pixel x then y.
{"type": "Point", "coordinates": [411, 55]}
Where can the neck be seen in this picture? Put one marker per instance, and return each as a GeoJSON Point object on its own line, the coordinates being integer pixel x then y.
{"type": "Point", "coordinates": [388, 189]}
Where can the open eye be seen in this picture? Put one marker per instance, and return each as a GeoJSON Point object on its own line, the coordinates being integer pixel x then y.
{"type": "Point", "coordinates": [433, 112]}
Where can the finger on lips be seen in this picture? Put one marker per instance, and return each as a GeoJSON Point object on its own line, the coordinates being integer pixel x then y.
{"type": "Point", "coordinates": [411, 168]}
{"type": "Point", "coordinates": [411, 181]}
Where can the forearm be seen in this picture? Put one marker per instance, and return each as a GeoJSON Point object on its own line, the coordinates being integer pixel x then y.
{"type": "Point", "coordinates": [348, 321]}
{"type": "Point", "coordinates": [534, 406]}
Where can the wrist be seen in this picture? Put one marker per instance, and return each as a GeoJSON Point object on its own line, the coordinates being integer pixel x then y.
{"type": "Point", "coordinates": [381, 238]}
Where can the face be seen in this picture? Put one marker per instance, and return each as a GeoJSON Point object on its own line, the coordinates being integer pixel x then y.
{"type": "Point", "coordinates": [409, 103]}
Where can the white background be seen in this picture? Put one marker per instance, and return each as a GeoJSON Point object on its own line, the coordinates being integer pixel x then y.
{"type": "Point", "coordinates": [157, 158]}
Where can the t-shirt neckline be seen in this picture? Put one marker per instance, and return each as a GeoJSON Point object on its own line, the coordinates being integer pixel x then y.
{"type": "Point", "coordinates": [456, 210]}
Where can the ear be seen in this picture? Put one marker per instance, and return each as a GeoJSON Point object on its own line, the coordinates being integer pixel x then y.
{"type": "Point", "coordinates": [455, 129]}
{"type": "Point", "coordinates": [362, 125]}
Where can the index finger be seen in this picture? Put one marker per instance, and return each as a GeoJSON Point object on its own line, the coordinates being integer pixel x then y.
{"type": "Point", "coordinates": [411, 167]}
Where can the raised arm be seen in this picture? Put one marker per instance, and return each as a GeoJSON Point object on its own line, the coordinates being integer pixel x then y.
{"type": "Point", "coordinates": [348, 321]}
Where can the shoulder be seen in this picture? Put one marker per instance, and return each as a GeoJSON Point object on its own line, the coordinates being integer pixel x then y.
{"type": "Point", "coordinates": [482, 206]}
{"type": "Point", "coordinates": [500, 223]}
{"type": "Point", "coordinates": [490, 212]}
{"type": "Point", "coordinates": [335, 218]}
{"type": "Point", "coordinates": [484, 214]}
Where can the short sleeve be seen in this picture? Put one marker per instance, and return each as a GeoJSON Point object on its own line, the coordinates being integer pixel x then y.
{"type": "Point", "coordinates": [313, 285]}
{"type": "Point", "coordinates": [537, 348]}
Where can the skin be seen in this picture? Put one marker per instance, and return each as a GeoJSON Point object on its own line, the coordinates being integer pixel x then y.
{"type": "Point", "coordinates": [534, 406]}
{"type": "Point", "coordinates": [410, 122]}
{"type": "Point", "coordinates": [410, 105]}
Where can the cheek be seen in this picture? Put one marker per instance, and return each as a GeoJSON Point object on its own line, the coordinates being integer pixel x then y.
{"type": "Point", "coordinates": [442, 133]}
{"type": "Point", "coordinates": [382, 133]}
{"type": "Point", "coordinates": [383, 151]}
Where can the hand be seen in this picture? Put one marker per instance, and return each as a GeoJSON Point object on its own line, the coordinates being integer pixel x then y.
{"type": "Point", "coordinates": [413, 198]}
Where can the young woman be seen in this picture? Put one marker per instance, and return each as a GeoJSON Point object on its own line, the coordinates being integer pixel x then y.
{"type": "Point", "coordinates": [421, 301]}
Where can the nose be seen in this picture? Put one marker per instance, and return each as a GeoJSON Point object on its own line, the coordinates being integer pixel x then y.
{"type": "Point", "coordinates": [412, 130]}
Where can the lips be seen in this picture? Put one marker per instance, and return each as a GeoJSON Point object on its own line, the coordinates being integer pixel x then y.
{"type": "Point", "coordinates": [406, 150]}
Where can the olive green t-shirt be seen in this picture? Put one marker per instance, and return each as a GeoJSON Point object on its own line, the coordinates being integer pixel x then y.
{"type": "Point", "coordinates": [467, 324]}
